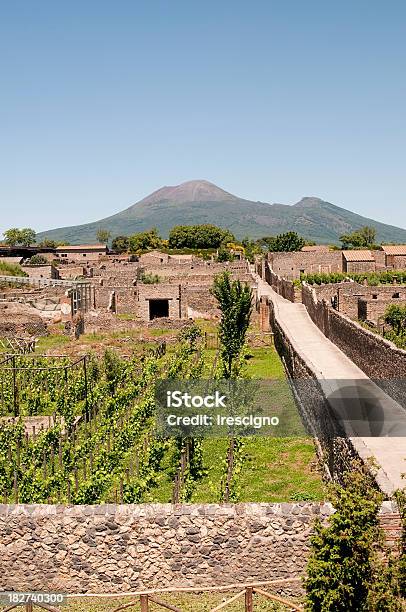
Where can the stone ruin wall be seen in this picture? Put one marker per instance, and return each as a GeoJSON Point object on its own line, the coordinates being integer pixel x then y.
{"type": "Point", "coordinates": [193, 299]}
{"type": "Point", "coordinates": [282, 286]}
{"type": "Point", "coordinates": [374, 309]}
{"type": "Point", "coordinates": [374, 355]}
{"type": "Point", "coordinates": [290, 265]}
{"type": "Point", "coordinates": [113, 548]}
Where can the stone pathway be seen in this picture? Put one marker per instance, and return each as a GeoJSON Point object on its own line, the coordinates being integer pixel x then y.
{"type": "Point", "coordinates": [331, 365]}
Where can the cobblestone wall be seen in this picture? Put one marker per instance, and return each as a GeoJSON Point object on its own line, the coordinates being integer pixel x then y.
{"type": "Point", "coordinates": [115, 548]}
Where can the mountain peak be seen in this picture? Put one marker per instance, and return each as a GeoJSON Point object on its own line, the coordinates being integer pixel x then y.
{"type": "Point", "coordinates": [310, 202]}
{"type": "Point", "coordinates": [200, 201]}
{"type": "Point", "coordinates": [190, 191]}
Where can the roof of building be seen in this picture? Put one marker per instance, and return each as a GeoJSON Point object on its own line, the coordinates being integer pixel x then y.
{"type": "Point", "coordinates": [322, 248]}
{"type": "Point", "coordinates": [359, 255]}
{"type": "Point", "coordinates": [394, 249]}
{"type": "Point", "coordinates": [82, 247]}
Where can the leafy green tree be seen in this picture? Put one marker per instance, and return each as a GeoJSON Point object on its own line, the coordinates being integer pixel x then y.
{"type": "Point", "coordinates": [287, 242]}
{"type": "Point", "coordinates": [362, 238]}
{"type": "Point", "coordinates": [120, 244]}
{"type": "Point", "coordinates": [47, 243]}
{"type": "Point", "coordinates": [23, 237]}
{"type": "Point", "coordinates": [344, 562]}
{"type": "Point", "coordinates": [395, 316]}
{"type": "Point", "coordinates": [12, 236]}
{"type": "Point", "coordinates": [252, 248]}
{"type": "Point", "coordinates": [27, 236]}
{"type": "Point", "coordinates": [235, 302]}
{"type": "Point", "coordinates": [205, 236]}
{"type": "Point", "coordinates": [224, 254]}
{"type": "Point", "coordinates": [145, 241]}
{"type": "Point", "coordinates": [103, 235]}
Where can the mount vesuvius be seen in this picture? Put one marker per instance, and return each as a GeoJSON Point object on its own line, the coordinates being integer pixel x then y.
{"type": "Point", "coordinates": [200, 201]}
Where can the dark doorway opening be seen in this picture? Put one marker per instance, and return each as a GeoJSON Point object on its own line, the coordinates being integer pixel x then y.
{"type": "Point", "coordinates": [158, 308]}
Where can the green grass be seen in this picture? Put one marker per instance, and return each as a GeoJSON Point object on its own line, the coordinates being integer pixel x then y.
{"type": "Point", "coordinates": [126, 316]}
{"type": "Point", "coordinates": [280, 469]}
{"type": "Point", "coordinates": [265, 363]}
{"type": "Point", "coordinates": [274, 470]}
{"type": "Point", "coordinates": [46, 343]}
{"type": "Point", "coordinates": [158, 331]}
{"type": "Point", "coordinates": [7, 269]}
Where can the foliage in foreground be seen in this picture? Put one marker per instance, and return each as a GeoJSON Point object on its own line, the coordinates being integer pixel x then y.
{"type": "Point", "coordinates": [345, 570]}
{"type": "Point", "coordinates": [7, 269]}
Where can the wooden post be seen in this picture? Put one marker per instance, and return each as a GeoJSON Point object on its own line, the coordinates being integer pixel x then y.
{"type": "Point", "coordinates": [249, 604]}
{"type": "Point", "coordinates": [15, 487]}
{"type": "Point", "coordinates": [144, 603]}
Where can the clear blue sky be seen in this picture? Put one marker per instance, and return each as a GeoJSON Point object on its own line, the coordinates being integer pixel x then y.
{"type": "Point", "coordinates": [103, 102]}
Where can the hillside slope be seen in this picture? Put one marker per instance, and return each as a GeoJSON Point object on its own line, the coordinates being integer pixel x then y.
{"type": "Point", "coordinates": [202, 202]}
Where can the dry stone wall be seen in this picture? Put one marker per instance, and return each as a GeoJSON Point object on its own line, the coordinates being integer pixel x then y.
{"type": "Point", "coordinates": [112, 548]}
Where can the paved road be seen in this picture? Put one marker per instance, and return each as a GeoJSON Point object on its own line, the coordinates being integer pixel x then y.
{"type": "Point", "coordinates": [330, 365]}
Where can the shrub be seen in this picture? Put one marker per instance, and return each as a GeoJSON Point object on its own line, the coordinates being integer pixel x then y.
{"type": "Point", "coordinates": [150, 279]}
{"type": "Point", "coordinates": [38, 260]}
{"type": "Point", "coordinates": [7, 269]}
{"type": "Point", "coordinates": [344, 570]}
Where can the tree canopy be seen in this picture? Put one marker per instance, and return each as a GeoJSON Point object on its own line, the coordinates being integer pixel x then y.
{"type": "Point", "coordinates": [395, 316]}
{"type": "Point", "coordinates": [120, 244]}
{"type": "Point", "coordinates": [143, 241]}
{"type": "Point", "coordinates": [364, 237]}
{"type": "Point", "coordinates": [103, 235]}
{"type": "Point", "coordinates": [19, 237]}
{"type": "Point", "coordinates": [204, 236]}
{"type": "Point", "coordinates": [289, 241]}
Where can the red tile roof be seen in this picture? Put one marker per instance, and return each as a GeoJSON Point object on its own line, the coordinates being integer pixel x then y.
{"type": "Point", "coordinates": [321, 248]}
{"type": "Point", "coordinates": [82, 247]}
{"type": "Point", "coordinates": [394, 249]}
{"type": "Point", "coordinates": [358, 255]}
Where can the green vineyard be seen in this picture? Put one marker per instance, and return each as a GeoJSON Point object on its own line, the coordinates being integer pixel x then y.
{"type": "Point", "coordinates": [83, 432]}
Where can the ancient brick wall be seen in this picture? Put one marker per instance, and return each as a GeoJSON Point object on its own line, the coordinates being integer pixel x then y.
{"type": "Point", "coordinates": [199, 302]}
{"type": "Point", "coordinates": [358, 267]}
{"type": "Point", "coordinates": [374, 309]}
{"type": "Point", "coordinates": [71, 272]}
{"type": "Point", "coordinates": [284, 287]}
{"type": "Point", "coordinates": [346, 295]}
{"type": "Point", "coordinates": [377, 357]}
{"type": "Point", "coordinates": [161, 291]}
{"type": "Point", "coordinates": [46, 271]}
{"type": "Point", "coordinates": [117, 548]}
{"type": "Point", "coordinates": [126, 298]}
{"type": "Point", "coordinates": [290, 265]}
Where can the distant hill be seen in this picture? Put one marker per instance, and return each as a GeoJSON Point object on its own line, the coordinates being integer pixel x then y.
{"type": "Point", "coordinates": [202, 202]}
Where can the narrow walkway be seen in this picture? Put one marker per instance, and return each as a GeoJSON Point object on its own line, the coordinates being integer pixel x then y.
{"type": "Point", "coordinates": [330, 365]}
